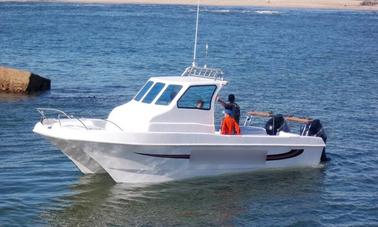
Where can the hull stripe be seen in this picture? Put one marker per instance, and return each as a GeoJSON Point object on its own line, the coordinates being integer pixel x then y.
{"type": "Point", "coordinates": [176, 156]}
{"type": "Point", "coordinates": [273, 157]}
{"type": "Point", "coordinates": [291, 154]}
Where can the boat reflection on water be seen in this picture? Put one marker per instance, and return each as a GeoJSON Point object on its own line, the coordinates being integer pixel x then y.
{"type": "Point", "coordinates": [225, 200]}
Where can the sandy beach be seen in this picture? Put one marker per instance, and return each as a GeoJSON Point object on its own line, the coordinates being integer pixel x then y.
{"type": "Point", "coordinates": [315, 4]}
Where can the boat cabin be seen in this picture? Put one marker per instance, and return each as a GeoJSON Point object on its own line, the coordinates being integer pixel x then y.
{"type": "Point", "coordinates": [183, 103]}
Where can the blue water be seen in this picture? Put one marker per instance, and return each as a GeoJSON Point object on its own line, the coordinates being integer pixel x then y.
{"type": "Point", "coordinates": [322, 64]}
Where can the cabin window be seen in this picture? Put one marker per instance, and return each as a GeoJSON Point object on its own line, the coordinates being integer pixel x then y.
{"type": "Point", "coordinates": [169, 94]}
{"type": "Point", "coordinates": [143, 91]}
{"type": "Point", "coordinates": [151, 95]}
{"type": "Point", "coordinates": [197, 97]}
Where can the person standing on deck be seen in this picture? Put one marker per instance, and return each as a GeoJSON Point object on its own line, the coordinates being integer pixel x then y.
{"type": "Point", "coordinates": [231, 105]}
{"type": "Point", "coordinates": [229, 125]}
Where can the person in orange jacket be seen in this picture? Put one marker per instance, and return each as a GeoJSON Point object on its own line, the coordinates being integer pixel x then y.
{"type": "Point", "coordinates": [229, 125]}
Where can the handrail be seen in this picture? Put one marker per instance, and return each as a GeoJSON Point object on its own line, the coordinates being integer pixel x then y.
{"type": "Point", "coordinates": [60, 112]}
{"type": "Point", "coordinates": [106, 120]}
{"type": "Point", "coordinates": [81, 122]}
{"type": "Point", "coordinates": [290, 118]}
{"type": "Point", "coordinates": [204, 72]}
{"type": "Point", "coordinates": [112, 123]}
{"type": "Point", "coordinates": [42, 112]}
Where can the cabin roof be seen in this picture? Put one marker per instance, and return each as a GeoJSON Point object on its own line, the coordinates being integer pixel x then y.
{"type": "Point", "coordinates": [188, 80]}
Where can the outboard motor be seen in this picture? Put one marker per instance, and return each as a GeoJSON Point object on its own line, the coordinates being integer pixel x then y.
{"type": "Point", "coordinates": [315, 128]}
{"type": "Point", "coordinates": [276, 124]}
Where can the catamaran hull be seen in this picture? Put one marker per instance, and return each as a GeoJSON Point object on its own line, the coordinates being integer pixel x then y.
{"type": "Point", "coordinates": [81, 160]}
{"type": "Point", "coordinates": [161, 157]}
{"type": "Point", "coordinates": [154, 164]}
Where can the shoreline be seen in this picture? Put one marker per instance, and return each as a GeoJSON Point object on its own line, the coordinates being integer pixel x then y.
{"type": "Point", "coordinates": [300, 4]}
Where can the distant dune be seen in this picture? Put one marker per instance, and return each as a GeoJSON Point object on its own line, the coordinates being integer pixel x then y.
{"type": "Point", "coordinates": [317, 4]}
{"type": "Point", "coordinates": [311, 4]}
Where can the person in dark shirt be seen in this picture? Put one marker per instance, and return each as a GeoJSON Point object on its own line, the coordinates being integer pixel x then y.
{"type": "Point", "coordinates": [231, 105]}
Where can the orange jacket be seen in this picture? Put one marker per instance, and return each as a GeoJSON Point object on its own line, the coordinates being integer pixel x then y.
{"type": "Point", "coordinates": [229, 126]}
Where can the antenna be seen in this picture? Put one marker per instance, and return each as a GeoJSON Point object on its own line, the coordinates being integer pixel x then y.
{"type": "Point", "coordinates": [195, 38]}
{"type": "Point", "coordinates": [206, 51]}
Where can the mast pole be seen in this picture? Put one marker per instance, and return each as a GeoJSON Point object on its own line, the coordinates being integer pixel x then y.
{"type": "Point", "coordinates": [196, 35]}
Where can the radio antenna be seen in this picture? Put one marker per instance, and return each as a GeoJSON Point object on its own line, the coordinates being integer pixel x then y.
{"type": "Point", "coordinates": [196, 35]}
{"type": "Point", "coordinates": [206, 52]}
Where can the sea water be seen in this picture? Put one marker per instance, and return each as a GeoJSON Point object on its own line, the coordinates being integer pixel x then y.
{"type": "Point", "coordinates": [322, 64]}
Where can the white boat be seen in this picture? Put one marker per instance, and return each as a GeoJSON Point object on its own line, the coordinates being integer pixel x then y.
{"type": "Point", "coordinates": [160, 135]}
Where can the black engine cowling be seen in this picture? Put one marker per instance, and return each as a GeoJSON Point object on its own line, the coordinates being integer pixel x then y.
{"type": "Point", "coordinates": [276, 124]}
{"type": "Point", "coordinates": [315, 128]}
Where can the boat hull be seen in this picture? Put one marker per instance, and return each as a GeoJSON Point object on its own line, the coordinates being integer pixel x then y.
{"type": "Point", "coordinates": [81, 160]}
{"type": "Point", "coordinates": [160, 157]}
{"type": "Point", "coordinates": [154, 164]}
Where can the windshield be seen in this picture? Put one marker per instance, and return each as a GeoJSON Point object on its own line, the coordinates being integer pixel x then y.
{"type": "Point", "coordinates": [155, 90]}
{"type": "Point", "coordinates": [143, 91]}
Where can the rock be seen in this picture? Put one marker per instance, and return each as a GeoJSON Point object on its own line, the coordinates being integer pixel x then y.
{"type": "Point", "coordinates": [369, 2]}
{"type": "Point", "coordinates": [17, 81]}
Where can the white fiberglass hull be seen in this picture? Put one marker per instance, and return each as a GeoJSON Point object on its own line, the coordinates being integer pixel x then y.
{"type": "Point", "coordinates": [81, 160]}
{"type": "Point", "coordinates": [160, 157]}
{"type": "Point", "coordinates": [153, 164]}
